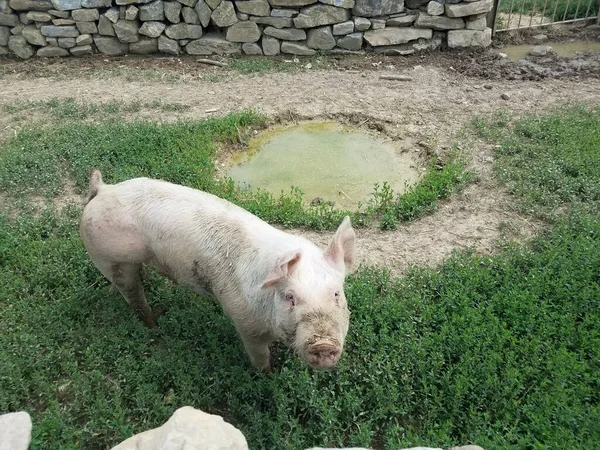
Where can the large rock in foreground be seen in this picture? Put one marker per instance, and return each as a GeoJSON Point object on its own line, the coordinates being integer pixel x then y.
{"type": "Point", "coordinates": [188, 428]}
{"type": "Point", "coordinates": [15, 431]}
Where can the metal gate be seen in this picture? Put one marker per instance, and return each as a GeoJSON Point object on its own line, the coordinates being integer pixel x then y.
{"type": "Point", "coordinates": [521, 14]}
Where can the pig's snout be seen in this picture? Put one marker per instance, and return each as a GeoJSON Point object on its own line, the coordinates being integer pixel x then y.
{"type": "Point", "coordinates": [323, 354]}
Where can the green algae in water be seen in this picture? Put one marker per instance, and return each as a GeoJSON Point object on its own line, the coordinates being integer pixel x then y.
{"type": "Point", "coordinates": [325, 161]}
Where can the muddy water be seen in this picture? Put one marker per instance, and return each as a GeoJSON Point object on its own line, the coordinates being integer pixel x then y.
{"type": "Point", "coordinates": [566, 49]}
{"type": "Point", "coordinates": [325, 160]}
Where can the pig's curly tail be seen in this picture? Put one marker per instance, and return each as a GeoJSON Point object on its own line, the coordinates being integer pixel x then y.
{"type": "Point", "coordinates": [95, 184]}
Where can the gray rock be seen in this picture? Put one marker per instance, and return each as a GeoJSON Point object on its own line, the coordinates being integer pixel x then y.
{"type": "Point", "coordinates": [30, 5]}
{"type": "Point", "coordinates": [343, 28]}
{"type": "Point", "coordinates": [429, 44]}
{"type": "Point", "coordinates": [16, 31]}
{"type": "Point", "coordinates": [277, 22]}
{"type": "Point", "coordinates": [51, 52]}
{"type": "Point", "coordinates": [242, 16]}
{"type": "Point", "coordinates": [291, 3]}
{"type": "Point", "coordinates": [129, 2]}
{"type": "Point", "coordinates": [254, 7]}
{"type": "Point", "coordinates": [540, 50]}
{"type": "Point", "coordinates": [212, 44]}
{"type": "Point", "coordinates": [81, 50]}
{"type": "Point", "coordinates": [131, 13]}
{"type": "Point", "coordinates": [401, 21]}
{"type": "Point", "coordinates": [152, 11]}
{"type": "Point", "coordinates": [416, 4]}
{"type": "Point", "coordinates": [469, 9]}
{"type": "Point", "coordinates": [33, 36]}
{"type": "Point", "coordinates": [62, 22]}
{"type": "Point", "coordinates": [435, 9]}
{"type": "Point", "coordinates": [286, 34]}
{"type": "Point", "coordinates": [189, 16]}
{"type": "Point", "coordinates": [183, 31]}
{"type": "Point", "coordinates": [112, 14]}
{"type": "Point", "coordinates": [317, 15]}
{"type": "Point", "coordinates": [539, 38]}
{"type": "Point", "coordinates": [320, 38]}
{"type": "Point", "coordinates": [52, 41]}
{"type": "Point", "coordinates": [145, 46]}
{"type": "Point", "coordinates": [172, 11]}
{"type": "Point", "coordinates": [439, 22]}
{"type": "Point", "coordinates": [204, 12]}
{"type": "Point", "coordinates": [469, 38]}
{"type": "Point", "coordinates": [348, 4]}
{"type": "Point", "coordinates": [105, 27]}
{"type": "Point", "coordinates": [352, 41]}
{"type": "Point", "coordinates": [127, 31]}
{"type": "Point", "coordinates": [24, 19]}
{"type": "Point", "coordinates": [295, 48]}
{"type": "Point", "coordinates": [110, 45]}
{"type": "Point", "coordinates": [59, 14]}
{"type": "Point", "coordinates": [477, 24]}
{"type": "Point", "coordinates": [188, 3]}
{"type": "Point", "coordinates": [224, 14]}
{"type": "Point", "coordinates": [189, 428]}
{"type": "Point", "coordinates": [243, 32]}
{"type": "Point", "coordinates": [15, 428]}
{"type": "Point", "coordinates": [95, 3]}
{"type": "Point", "coordinates": [19, 46]}
{"type": "Point", "coordinates": [168, 46]}
{"type": "Point", "coordinates": [213, 3]}
{"type": "Point", "coordinates": [87, 27]}
{"type": "Point", "coordinates": [3, 51]}
{"type": "Point", "coordinates": [284, 13]}
{"type": "Point", "coordinates": [152, 29]}
{"type": "Point", "coordinates": [5, 34]}
{"type": "Point", "coordinates": [361, 23]}
{"type": "Point", "coordinates": [9, 20]}
{"type": "Point", "coordinates": [377, 24]}
{"type": "Point", "coordinates": [251, 48]}
{"type": "Point", "coordinates": [395, 36]}
{"type": "Point", "coordinates": [86, 15]}
{"type": "Point", "coordinates": [374, 8]}
{"type": "Point", "coordinates": [66, 5]}
{"type": "Point", "coordinates": [4, 7]}
{"type": "Point", "coordinates": [54, 31]}
{"type": "Point", "coordinates": [84, 39]}
{"type": "Point", "coordinates": [270, 45]}
{"type": "Point", "coordinates": [66, 42]}
{"type": "Point", "coordinates": [39, 16]}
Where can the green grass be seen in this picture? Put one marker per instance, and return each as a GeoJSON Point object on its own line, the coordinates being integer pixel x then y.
{"type": "Point", "coordinates": [69, 109]}
{"type": "Point", "coordinates": [501, 351]}
{"type": "Point", "coordinates": [549, 161]}
{"type": "Point", "coordinates": [185, 153]}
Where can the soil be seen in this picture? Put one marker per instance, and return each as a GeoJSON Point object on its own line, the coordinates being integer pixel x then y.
{"type": "Point", "coordinates": [430, 113]}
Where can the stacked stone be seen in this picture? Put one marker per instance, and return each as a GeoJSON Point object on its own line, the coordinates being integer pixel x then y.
{"type": "Point", "coordinates": [253, 27]}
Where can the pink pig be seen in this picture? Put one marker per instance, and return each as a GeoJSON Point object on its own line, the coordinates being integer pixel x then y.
{"type": "Point", "coordinates": [273, 285]}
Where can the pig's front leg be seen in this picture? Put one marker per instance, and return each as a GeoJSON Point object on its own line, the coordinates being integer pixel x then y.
{"type": "Point", "coordinates": [258, 350]}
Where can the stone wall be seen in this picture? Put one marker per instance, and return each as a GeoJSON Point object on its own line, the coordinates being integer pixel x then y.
{"type": "Point", "coordinates": [51, 28]}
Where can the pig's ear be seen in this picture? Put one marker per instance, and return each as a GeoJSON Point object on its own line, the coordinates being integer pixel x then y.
{"type": "Point", "coordinates": [284, 267]}
{"type": "Point", "coordinates": [340, 252]}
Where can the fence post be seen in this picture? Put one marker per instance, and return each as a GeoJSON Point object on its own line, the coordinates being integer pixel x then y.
{"type": "Point", "coordinates": [491, 17]}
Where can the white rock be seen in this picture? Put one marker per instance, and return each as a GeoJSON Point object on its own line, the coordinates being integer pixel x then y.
{"type": "Point", "coordinates": [435, 9]}
{"type": "Point", "coordinates": [15, 431]}
{"type": "Point", "coordinates": [188, 428]}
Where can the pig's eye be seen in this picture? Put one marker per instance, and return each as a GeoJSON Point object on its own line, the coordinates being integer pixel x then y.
{"type": "Point", "coordinates": [289, 297]}
{"type": "Point", "coordinates": [337, 297]}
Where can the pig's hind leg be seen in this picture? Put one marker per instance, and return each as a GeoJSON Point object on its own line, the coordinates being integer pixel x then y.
{"type": "Point", "coordinates": [127, 278]}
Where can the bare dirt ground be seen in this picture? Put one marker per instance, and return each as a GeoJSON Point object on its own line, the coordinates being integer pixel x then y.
{"type": "Point", "coordinates": [433, 111]}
